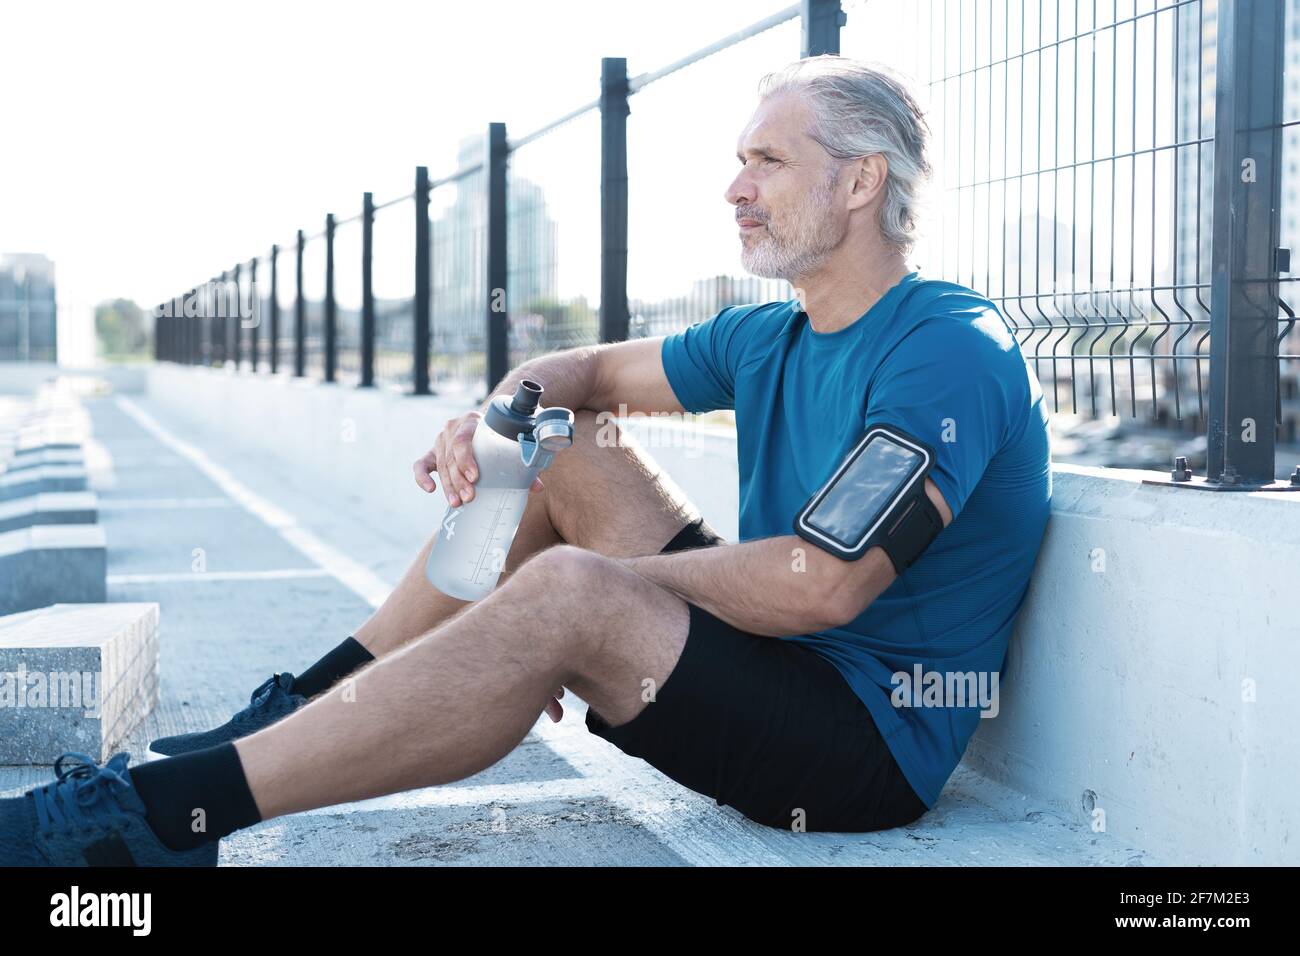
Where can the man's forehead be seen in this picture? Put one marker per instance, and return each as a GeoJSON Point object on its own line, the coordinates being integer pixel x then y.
{"type": "Point", "coordinates": [774, 127]}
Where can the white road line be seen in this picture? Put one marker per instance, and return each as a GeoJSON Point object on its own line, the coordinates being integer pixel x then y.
{"type": "Point", "coordinates": [352, 574]}
{"type": "Point", "coordinates": [162, 504]}
{"type": "Point", "coordinates": [689, 824]}
{"type": "Point", "coordinates": [201, 577]}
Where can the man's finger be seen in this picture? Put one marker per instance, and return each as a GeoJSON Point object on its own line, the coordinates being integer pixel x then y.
{"type": "Point", "coordinates": [421, 469]}
{"type": "Point", "coordinates": [452, 482]}
{"type": "Point", "coordinates": [462, 448]}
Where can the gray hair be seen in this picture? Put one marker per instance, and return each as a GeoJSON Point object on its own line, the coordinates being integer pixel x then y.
{"type": "Point", "coordinates": [862, 108]}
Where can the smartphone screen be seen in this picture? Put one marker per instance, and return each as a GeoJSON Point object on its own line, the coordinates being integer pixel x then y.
{"type": "Point", "coordinates": [859, 496]}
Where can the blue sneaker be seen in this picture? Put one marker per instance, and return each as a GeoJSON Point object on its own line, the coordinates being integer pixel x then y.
{"type": "Point", "coordinates": [271, 701]}
{"type": "Point", "coordinates": [89, 816]}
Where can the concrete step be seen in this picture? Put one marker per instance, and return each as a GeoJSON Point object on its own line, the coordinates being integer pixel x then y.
{"type": "Point", "coordinates": [35, 457]}
{"type": "Point", "coordinates": [43, 478]}
{"type": "Point", "coordinates": [49, 564]}
{"type": "Point", "coordinates": [75, 677]}
{"type": "Point", "coordinates": [53, 507]}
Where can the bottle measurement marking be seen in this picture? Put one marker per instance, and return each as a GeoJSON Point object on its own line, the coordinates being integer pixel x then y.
{"type": "Point", "coordinates": [505, 500]}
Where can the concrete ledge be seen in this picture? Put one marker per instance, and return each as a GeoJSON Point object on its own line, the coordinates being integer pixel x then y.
{"type": "Point", "coordinates": [75, 678]}
{"type": "Point", "coordinates": [35, 457]}
{"type": "Point", "coordinates": [50, 564]}
{"type": "Point", "coordinates": [23, 378]}
{"type": "Point", "coordinates": [1148, 688]}
{"type": "Point", "coordinates": [54, 507]}
{"type": "Point", "coordinates": [43, 478]}
{"type": "Point", "coordinates": [363, 441]}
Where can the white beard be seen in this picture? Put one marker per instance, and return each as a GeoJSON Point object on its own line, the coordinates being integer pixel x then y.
{"type": "Point", "coordinates": [803, 244]}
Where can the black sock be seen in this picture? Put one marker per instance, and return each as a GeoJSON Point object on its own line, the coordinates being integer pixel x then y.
{"type": "Point", "coordinates": [337, 664]}
{"type": "Point", "coordinates": [174, 791]}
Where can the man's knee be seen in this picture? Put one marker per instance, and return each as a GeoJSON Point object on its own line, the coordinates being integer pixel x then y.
{"type": "Point", "coordinates": [562, 585]}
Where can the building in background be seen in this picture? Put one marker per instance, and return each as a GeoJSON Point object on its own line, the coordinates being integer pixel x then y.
{"type": "Point", "coordinates": [458, 243]}
{"type": "Point", "coordinates": [27, 311]}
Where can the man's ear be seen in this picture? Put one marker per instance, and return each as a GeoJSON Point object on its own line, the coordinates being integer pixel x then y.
{"type": "Point", "coordinates": [869, 177]}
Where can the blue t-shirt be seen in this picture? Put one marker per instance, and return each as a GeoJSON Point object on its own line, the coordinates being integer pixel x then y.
{"type": "Point", "coordinates": [936, 360]}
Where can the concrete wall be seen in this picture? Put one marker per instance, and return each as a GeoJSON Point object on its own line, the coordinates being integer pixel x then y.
{"type": "Point", "coordinates": [1148, 685]}
{"type": "Point", "coordinates": [364, 441]}
{"type": "Point", "coordinates": [24, 378]}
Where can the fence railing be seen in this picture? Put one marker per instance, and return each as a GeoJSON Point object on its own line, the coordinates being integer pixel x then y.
{"type": "Point", "coordinates": [1111, 176]}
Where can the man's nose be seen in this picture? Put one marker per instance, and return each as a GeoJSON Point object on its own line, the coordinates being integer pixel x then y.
{"type": "Point", "coordinates": [741, 190]}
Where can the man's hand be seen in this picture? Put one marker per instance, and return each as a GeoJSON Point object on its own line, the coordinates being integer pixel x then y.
{"type": "Point", "coordinates": [452, 457]}
{"type": "Point", "coordinates": [553, 709]}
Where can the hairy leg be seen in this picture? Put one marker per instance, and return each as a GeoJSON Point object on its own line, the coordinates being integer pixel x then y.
{"type": "Point", "coordinates": [461, 697]}
{"type": "Point", "coordinates": [604, 494]}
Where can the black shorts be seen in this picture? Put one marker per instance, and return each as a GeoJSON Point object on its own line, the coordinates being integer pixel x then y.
{"type": "Point", "coordinates": [768, 727]}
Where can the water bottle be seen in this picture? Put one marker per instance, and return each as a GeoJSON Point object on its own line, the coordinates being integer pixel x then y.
{"type": "Point", "coordinates": [513, 443]}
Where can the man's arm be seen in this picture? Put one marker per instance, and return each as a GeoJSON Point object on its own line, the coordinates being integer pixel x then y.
{"type": "Point", "coordinates": [776, 586]}
{"type": "Point", "coordinates": [600, 378]}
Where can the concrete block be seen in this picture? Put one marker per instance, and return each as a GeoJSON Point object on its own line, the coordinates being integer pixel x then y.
{"type": "Point", "coordinates": [35, 481]}
{"type": "Point", "coordinates": [35, 457]}
{"type": "Point", "coordinates": [75, 677]}
{"type": "Point", "coordinates": [51, 564]}
{"type": "Point", "coordinates": [54, 507]}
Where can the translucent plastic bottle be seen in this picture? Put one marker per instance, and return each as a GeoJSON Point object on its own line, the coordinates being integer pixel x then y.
{"type": "Point", "coordinates": [513, 443]}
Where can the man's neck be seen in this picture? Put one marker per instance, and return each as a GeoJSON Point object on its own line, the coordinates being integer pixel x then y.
{"type": "Point", "coordinates": [842, 292]}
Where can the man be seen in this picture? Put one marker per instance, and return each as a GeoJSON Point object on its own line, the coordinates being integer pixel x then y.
{"type": "Point", "coordinates": [760, 673]}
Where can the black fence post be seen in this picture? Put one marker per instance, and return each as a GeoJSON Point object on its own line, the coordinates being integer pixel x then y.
{"type": "Point", "coordinates": [187, 328]}
{"type": "Point", "coordinates": [189, 308]}
{"type": "Point", "coordinates": [237, 319]}
{"type": "Point", "coordinates": [331, 318]}
{"type": "Point", "coordinates": [254, 314]}
{"type": "Point", "coordinates": [1242, 433]}
{"type": "Point", "coordinates": [299, 318]}
{"type": "Point", "coordinates": [498, 309]}
{"type": "Point", "coordinates": [203, 307]}
{"type": "Point", "coordinates": [367, 291]}
{"type": "Point", "coordinates": [219, 292]}
{"type": "Point", "coordinates": [159, 350]}
{"type": "Point", "coordinates": [275, 310]}
{"type": "Point", "coordinates": [422, 312]}
{"type": "Point", "coordinates": [821, 20]}
{"type": "Point", "coordinates": [613, 199]}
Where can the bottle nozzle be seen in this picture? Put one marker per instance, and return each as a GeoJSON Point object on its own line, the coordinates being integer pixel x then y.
{"type": "Point", "coordinates": [527, 395]}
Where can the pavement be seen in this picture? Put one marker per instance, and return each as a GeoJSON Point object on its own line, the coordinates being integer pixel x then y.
{"type": "Point", "coordinates": [257, 571]}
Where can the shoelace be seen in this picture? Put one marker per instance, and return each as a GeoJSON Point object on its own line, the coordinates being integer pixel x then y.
{"type": "Point", "coordinates": [82, 794]}
{"type": "Point", "coordinates": [263, 692]}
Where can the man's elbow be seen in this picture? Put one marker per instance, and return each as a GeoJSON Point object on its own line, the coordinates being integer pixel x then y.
{"type": "Point", "coordinates": [848, 588]}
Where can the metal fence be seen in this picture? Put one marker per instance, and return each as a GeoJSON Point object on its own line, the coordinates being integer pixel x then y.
{"type": "Point", "coordinates": [1111, 175]}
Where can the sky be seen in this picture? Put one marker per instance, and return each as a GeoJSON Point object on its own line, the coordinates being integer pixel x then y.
{"type": "Point", "coordinates": [148, 145]}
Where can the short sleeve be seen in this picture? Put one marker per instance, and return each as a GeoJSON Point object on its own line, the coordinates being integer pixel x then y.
{"type": "Point", "coordinates": [958, 386]}
{"type": "Point", "coordinates": [701, 361]}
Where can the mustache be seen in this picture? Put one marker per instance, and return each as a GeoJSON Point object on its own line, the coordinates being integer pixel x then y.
{"type": "Point", "coordinates": [742, 213]}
